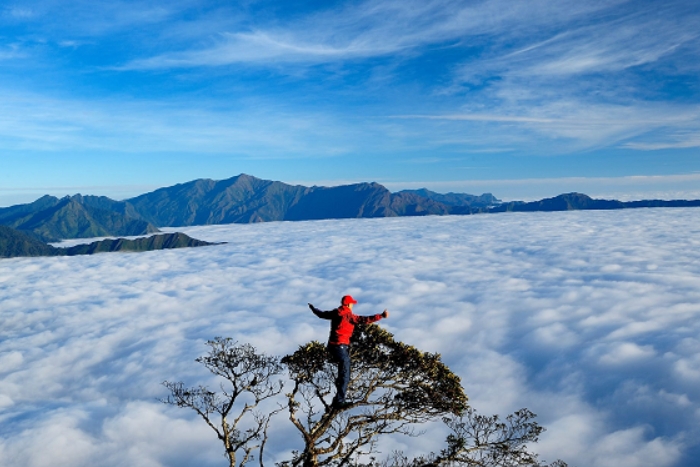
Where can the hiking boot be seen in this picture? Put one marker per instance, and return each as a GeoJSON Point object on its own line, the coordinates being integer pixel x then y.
{"type": "Point", "coordinates": [341, 405]}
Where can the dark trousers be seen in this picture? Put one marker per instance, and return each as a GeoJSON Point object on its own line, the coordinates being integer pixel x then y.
{"type": "Point", "coordinates": [341, 355]}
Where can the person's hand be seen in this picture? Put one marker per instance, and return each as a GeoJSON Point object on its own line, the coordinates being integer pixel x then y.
{"type": "Point", "coordinates": [385, 314]}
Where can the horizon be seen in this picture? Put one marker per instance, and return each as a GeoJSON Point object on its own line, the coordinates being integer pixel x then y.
{"type": "Point", "coordinates": [525, 102]}
{"type": "Point", "coordinates": [623, 198]}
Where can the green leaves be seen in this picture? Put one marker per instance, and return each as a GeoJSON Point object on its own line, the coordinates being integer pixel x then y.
{"type": "Point", "coordinates": [489, 441]}
{"type": "Point", "coordinates": [393, 386]}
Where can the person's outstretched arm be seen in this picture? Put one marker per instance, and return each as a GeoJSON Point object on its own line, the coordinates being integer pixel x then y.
{"type": "Point", "coordinates": [355, 319]}
{"type": "Point", "coordinates": [321, 314]}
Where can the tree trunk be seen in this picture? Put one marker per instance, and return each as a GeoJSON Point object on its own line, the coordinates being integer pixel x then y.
{"type": "Point", "coordinates": [310, 459]}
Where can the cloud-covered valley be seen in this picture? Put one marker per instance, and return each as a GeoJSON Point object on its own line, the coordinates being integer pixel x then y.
{"type": "Point", "coordinates": [590, 319]}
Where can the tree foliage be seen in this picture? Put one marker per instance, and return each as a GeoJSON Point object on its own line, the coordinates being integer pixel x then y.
{"type": "Point", "coordinates": [393, 387]}
{"type": "Point", "coordinates": [480, 440]}
{"type": "Point", "coordinates": [249, 378]}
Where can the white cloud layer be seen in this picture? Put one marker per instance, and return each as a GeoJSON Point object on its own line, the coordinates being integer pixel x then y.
{"type": "Point", "coordinates": [590, 319]}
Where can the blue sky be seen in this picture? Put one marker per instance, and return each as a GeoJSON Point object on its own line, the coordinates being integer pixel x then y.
{"type": "Point", "coordinates": [521, 99]}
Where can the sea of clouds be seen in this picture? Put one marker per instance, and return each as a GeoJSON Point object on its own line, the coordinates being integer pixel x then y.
{"type": "Point", "coordinates": [590, 319]}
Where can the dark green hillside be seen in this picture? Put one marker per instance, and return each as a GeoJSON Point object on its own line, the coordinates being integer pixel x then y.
{"type": "Point", "coordinates": [52, 219]}
{"type": "Point", "coordinates": [241, 199]}
{"type": "Point", "coordinates": [361, 200]}
{"type": "Point", "coordinates": [659, 203]}
{"type": "Point", "coordinates": [155, 242]}
{"type": "Point", "coordinates": [579, 201]}
{"type": "Point", "coordinates": [456, 199]}
{"type": "Point", "coordinates": [348, 201]}
{"type": "Point", "coordinates": [565, 202]}
{"type": "Point", "coordinates": [14, 243]}
{"type": "Point", "coordinates": [15, 213]}
{"type": "Point", "coordinates": [246, 199]}
{"type": "Point", "coordinates": [411, 204]}
{"type": "Point", "coordinates": [118, 224]}
{"type": "Point", "coordinates": [107, 204]}
{"type": "Point", "coordinates": [65, 219]}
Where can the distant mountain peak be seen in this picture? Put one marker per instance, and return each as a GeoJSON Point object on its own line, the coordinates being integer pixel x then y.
{"type": "Point", "coordinates": [461, 200]}
{"type": "Point", "coordinates": [51, 219]}
{"type": "Point", "coordinates": [244, 198]}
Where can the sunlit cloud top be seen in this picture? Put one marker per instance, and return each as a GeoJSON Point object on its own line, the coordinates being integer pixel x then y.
{"type": "Point", "coordinates": [590, 318]}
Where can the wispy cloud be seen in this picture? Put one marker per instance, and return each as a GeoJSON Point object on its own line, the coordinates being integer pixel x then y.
{"type": "Point", "coordinates": [91, 19]}
{"type": "Point", "coordinates": [18, 12]}
{"type": "Point", "coordinates": [12, 51]}
{"type": "Point", "coordinates": [366, 29]}
{"type": "Point", "coordinates": [580, 81]}
{"type": "Point", "coordinates": [600, 48]}
{"type": "Point", "coordinates": [254, 47]}
{"type": "Point", "coordinates": [578, 125]}
{"type": "Point", "coordinates": [679, 141]}
{"type": "Point", "coordinates": [255, 130]}
{"type": "Point", "coordinates": [590, 319]}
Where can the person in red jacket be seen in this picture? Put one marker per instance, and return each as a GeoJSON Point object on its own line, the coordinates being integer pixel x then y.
{"type": "Point", "coordinates": [343, 322]}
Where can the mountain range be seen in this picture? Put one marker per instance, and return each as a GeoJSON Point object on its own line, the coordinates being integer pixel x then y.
{"type": "Point", "coordinates": [51, 219]}
{"type": "Point", "coordinates": [240, 199]}
{"type": "Point", "coordinates": [246, 199]}
{"type": "Point", "coordinates": [14, 243]}
{"type": "Point", "coordinates": [579, 201]}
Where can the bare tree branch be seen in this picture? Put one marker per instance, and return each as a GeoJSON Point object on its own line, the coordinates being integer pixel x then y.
{"type": "Point", "coordinates": [394, 387]}
{"type": "Point", "coordinates": [249, 378]}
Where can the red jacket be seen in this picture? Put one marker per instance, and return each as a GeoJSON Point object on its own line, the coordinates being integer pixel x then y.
{"type": "Point", "coordinates": [343, 322]}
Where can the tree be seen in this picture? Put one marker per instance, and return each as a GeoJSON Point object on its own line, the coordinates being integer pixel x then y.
{"type": "Point", "coordinates": [249, 379]}
{"type": "Point", "coordinates": [480, 440]}
{"type": "Point", "coordinates": [393, 387]}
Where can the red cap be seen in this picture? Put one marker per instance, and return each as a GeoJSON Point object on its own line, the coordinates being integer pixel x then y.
{"type": "Point", "coordinates": [347, 300]}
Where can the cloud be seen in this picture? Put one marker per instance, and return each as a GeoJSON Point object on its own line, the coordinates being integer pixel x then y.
{"type": "Point", "coordinates": [681, 142]}
{"type": "Point", "coordinates": [30, 122]}
{"type": "Point", "coordinates": [578, 125]}
{"type": "Point", "coordinates": [254, 47]}
{"type": "Point", "coordinates": [365, 30]}
{"type": "Point", "coordinates": [93, 19]}
{"type": "Point", "coordinates": [19, 13]}
{"type": "Point", "coordinates": [11, 51]}
{"type": "Point", "coordinates": [609, 45]}
{"type": "Point", "coordinates": [579, 437]}
{"type": "Point", "coordinates": [626, 353]}
{"type": "Point", "coordinates": [579, 83]}
{"type": "Point", "coordinates": [542, 78]}
{"type": "Point", "coordinates": [590, 319]}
